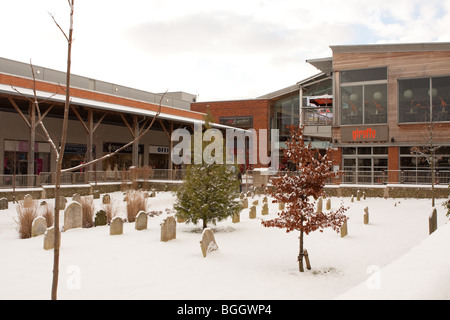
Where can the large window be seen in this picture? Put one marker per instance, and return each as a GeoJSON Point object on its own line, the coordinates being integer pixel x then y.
{"type": "Point", "coordinates": [364, 96]}
{"type": "Point", "coordinates": [366, 165]}
{"type": "Point", "coordinates": [424, 99]}
{"type": "Point", "coordinates": [287, 113]}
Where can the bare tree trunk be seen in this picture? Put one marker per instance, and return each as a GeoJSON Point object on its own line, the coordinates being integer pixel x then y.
{"type": "Point", "coordinates": [300, 254]}
{"type": "Point", "coordinates": [60, 159]}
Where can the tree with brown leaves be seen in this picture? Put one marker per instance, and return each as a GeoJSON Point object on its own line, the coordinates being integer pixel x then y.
{"type": "Point", "coordinates": [301, 189]}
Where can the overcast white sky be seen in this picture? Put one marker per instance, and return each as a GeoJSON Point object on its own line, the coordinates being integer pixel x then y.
{"type": "Point", "coordinates": [220, 50]}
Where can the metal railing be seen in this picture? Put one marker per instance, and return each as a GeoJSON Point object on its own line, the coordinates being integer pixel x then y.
{"type": "Point", "coordinates": [420, 177]}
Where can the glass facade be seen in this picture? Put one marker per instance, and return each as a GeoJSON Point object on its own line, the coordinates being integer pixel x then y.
{"type": "Point", "coordinates": [423, 99]}
{"type": "Point", "coordinates": [367, 165]}
{"type": "Point", "coordinates": [287, 113]}
{"type": "Point", "coordinates": [364, 96]}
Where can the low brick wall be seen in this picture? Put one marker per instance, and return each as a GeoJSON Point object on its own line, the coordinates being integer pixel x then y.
{"type": "Point", "coordinates": [389, 191]}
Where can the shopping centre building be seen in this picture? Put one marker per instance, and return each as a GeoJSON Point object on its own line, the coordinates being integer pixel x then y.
{"type": "Point", "coordinates": [368, 104]}
{"type": "Point", "coordinates": [371, 104]}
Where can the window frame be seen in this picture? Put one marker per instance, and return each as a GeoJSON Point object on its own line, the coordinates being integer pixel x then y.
{"type": "Point", "coordinates": [430, 88]}
{"type": "Point", "coordinates": [362, 84]}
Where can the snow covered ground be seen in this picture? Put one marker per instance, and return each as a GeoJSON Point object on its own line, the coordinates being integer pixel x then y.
{"type": "Point", "coordinates": [391, 258]}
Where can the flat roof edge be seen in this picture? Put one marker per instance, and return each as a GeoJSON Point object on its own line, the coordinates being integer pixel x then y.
{"type": "Point", "coordinates": [392, 47]}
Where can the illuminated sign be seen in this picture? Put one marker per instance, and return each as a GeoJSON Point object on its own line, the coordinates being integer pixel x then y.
{"type": "Point", "coordinates": [365, 134]}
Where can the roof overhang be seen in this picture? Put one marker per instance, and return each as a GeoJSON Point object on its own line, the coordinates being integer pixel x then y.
{"type": "Point", "coordinates": [323, 64]}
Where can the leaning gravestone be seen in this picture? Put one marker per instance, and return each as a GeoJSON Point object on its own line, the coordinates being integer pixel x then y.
{"type": "Point", "coordinates": [168, 229]}
{"type": "Point", "coordinates": [366, 215]}
{"type": "Point", "coordinates": [328, 205]}
{"type": "Point", "coordinates": [344, 230]}
{"type": "Point", "coordinates": [62, 202]}
{"type": "Point", "coordinates": [116, 226]}
{"type": "Point", "coordinates": [49, 238]}
{"type": "Point", "coordinates": [319, 205]}
{"type": "Point", "coordinates": [28, 201]}
{"type": "Point", "coordinates": [73, 216]}
{"type": "Point", "coordinates": [76, 197]}
{"type": "Point", "coordinates": [245, 203]}
{"type": "Point", "coordinates": [100, 218]}
{"type": "Point", "coordinates": [141, 221]}
{"type": "Point", "coordinates": [38, 227]}
{"type": "Point", "coordinates": [106, 199]}
{"type": "Point", "coordinates": [3, 204]}
{"type": "Point", "coordinates": [208, 243]}
{"type": "Point", "coordinates": [432, 221]}
{"type": "Point", "coordinates": [265, 209]}
{"type": "Point", "coordinates": [252, 213]}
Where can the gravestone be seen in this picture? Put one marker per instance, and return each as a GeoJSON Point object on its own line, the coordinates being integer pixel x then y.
{"type": "Point", "coordinates": [249, 194]}
{"type": "Point", "coordinates": [432, 221]}
{"type": "Point", "coordinates": [242, 195]}
{"type": "Point", "coordinates": [265, 200]}
{"type": "Point", "coordinates": [358, 195]}
{"type": "Point", "coordinates": [76, 197]}
{"type": "Point", "coordinates": [116, 226]}
{"type": "Point", "coordinates": [28, 201]}
{"type": "Point", "coordinates": [141, 221]}
{"type": "Point", "coordinates": [38, 227]}
{"type": "Point", "coordinates": [245, 203]}
{"type": "Point", "coordinates": [252, 213]}
{"type": "Point", "coordinates": [366, 215]}
{"type": "Point", "coordinates": [100, 218]}
{"type": "Point", "coordinates": [328, 205]}
{"type": "Point", "coordinates": [3, 204]}
{"type": "Point", "coordinates": [49, 238]}
{"type": "Point", "coordinates": [168, 229]}
{"type": "Point", "coordinates": [364, 195]}
{"type": "Point", "coordinates": [351, 199]}
{"type": "Point", "coordinates": [180, 219]}
{"type": "Point", "coordinates": [255, 203]}
{"type": "Point", "coordinates": [319, 205]}
{"type": "Point", "coordinates": [96, 194]}
{"type": "Point", "coordinates": [208, 243]}
{"type": "Point", "coordinates": [62, 202]}
{"type": "Point", "coordinates": [281, 205]}
{"type": "Point", "coordinates": [236, 218]}
{"type": "Point", "coordinates": [106, 199]}
{"type": "Point", "coordinates": [344, 230]}
{"type": "Point", "coordinates": [265, 209]}
{"type": "Point", "coordinates": [73, 216]}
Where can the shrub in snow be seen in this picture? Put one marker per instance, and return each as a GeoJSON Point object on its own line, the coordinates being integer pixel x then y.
{"type": "Point", "coordinates": [26, 213]}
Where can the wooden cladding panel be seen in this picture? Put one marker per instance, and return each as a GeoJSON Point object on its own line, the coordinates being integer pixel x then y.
{"type": "Point", "coordinates": [401, 65]}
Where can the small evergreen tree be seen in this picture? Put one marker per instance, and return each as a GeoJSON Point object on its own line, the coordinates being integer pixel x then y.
{"type": "Point", "coordinates": [299, 191]}
{"type": "Point", "coordinates": [209, 192]}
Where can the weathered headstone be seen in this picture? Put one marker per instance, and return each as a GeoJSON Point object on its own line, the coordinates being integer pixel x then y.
{"type": "Point", "coordinates": [208, 243]}
{"type": "Point", "coordinates": [242, 195]}
{"type": "Point", "coordinates": [96, 194]}
{"type": "Point", "coordinates": [76, 197]}
{"type": "Point", "coordinates": [344, 230]}
{"type": "Point", "coordinates": [106, 199]}
{"type": "Point", "coordinates": [364, 195]}
{"type": "Point", "coordinates": [38, 227]}
{"type": "Point", "coordinates": [28, 201]}
{"type": "Point", "coordinates": [358, 195]}
{"type": "Point", "coordinates": [245, 203]}
{"type": "Point", "coordinates": [100, 218]}
{"type": "Point", "coordinates": [328, 205]}
{"type": "Point", "coordinates": [249, 194]}
{"type": "Point", "coordinates": [236, 218]}
{"type": "Point", "coordinates": [62, 202]}
{"type": "Point", "coordinates": [366, 215]}
{"type": "Point", "coordinates": [168, 229]}
{"type": "Point", "coordinates": [49, 238]}
{"type": "Point", "coordinates": [73, 216]}
{"type": "Point", "coordinates": [351, 199]}
{"type": "Point", "coordinates": [3, 204]}
{"type": "Point", "coordinates": [141, 221]}
{"type": "Point", "coordinates": [319, 205]}
{"type": "Point", "coordinates": [116, 226]}
{"type": "Point", "coordinates": [255, 203]}
{"type": "Point", "coordinates": [265, 200]}
{"type": "Point", "coordinates": [265, 209]}
{"type": "Point", "coordinates": [281, 205]}
{"type": "Point", "coordinates": [252, 213]}
{"type": "Point", "coordinates": [180, 219]}
{"type": "Point", "coordinates": [432, 221]}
